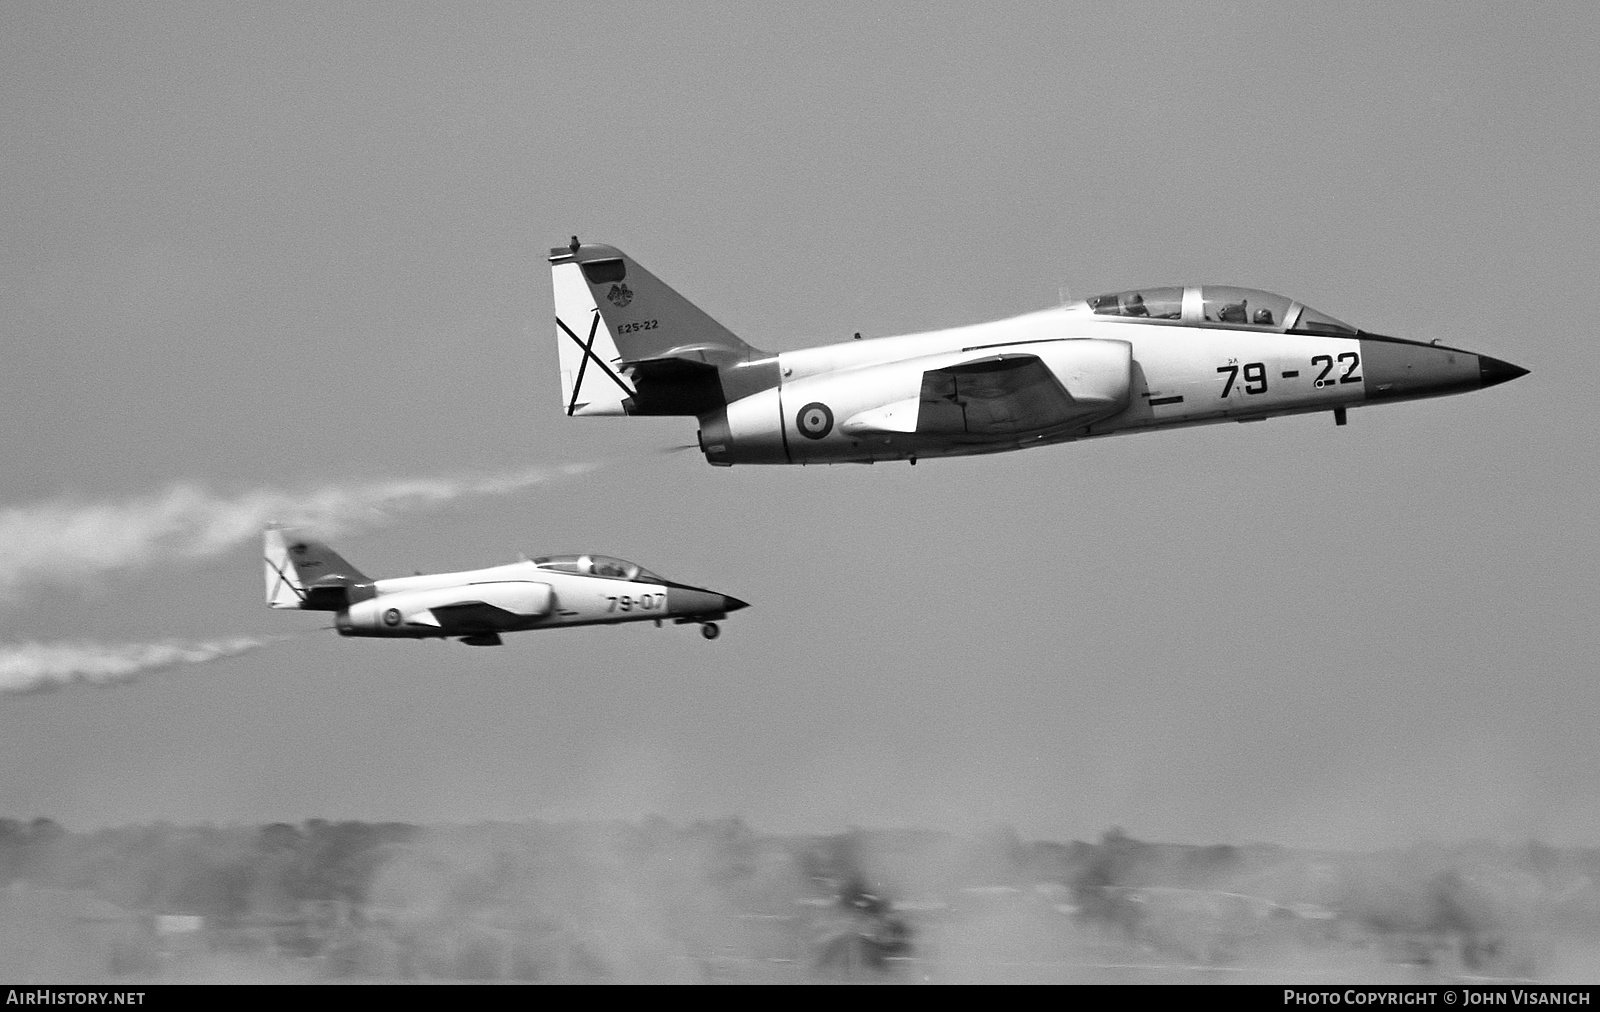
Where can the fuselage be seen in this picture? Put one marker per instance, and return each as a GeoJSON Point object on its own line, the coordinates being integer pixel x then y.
{"type": "Point", "coordinates": [1134, 361]}
{"type": "Point", "coordinates": [1178, 372]}
{"type": "Point", "coordinates": [519, 596]}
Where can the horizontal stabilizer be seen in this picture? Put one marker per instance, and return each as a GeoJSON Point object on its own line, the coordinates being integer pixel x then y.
{"type": "Point", "coordinates": [675, 384]}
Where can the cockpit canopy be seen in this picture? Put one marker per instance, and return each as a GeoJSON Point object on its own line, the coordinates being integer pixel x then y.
{"type": "Point", "coordinates": [598, 565]}
{"type": "Point", "coordinates": [1216, 305]}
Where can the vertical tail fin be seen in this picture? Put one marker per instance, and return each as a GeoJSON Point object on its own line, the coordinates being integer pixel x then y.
{"type": "Point", "coordinates": [284, 587]}
{"type": "Point", "coordinates": [629, 344]}
{"type": "Point", "coordinates": [305, 573]}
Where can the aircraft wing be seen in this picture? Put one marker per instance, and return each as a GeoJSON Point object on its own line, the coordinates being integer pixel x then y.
{"type": "Point", "coordinates": [467, 609]}
{"type": "Point", "coordinates": [998, 394]}
{"type": "Point", "coordinates": [467, 617]}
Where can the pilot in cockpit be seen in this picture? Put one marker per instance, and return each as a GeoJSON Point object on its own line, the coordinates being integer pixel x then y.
{"type": "Point", "coordinates": [1133, 305]}
{"type": "Point", "coordinates": [1264, 317]}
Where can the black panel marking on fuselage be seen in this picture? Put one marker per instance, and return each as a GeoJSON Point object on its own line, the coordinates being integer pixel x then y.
{"type": "Point", "coordinates": [1166, 400]}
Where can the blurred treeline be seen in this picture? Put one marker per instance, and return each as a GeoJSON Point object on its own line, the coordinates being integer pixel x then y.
{"type": "Point", "coordinates": [655, 900]}
{"type": "Point", "coordinates": [221, 874]}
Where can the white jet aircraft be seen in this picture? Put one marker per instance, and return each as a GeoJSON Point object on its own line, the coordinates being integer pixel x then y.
{"type": "Point", "coordinates": [479, 604]}
{"type": "Point", "coordinates": [1132, 361]}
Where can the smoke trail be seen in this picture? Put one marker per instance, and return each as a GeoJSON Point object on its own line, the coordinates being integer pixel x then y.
{"type": "Point", "coordinates": [65, 540]}
{"type": "Point", "coordinates": [36, 667]}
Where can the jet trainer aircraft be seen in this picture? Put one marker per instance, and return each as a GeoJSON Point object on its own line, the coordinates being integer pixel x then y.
{"type": "Point", "coordinates": [479, 604]}
{"type": "Point", "coordinates": [1127, 362]}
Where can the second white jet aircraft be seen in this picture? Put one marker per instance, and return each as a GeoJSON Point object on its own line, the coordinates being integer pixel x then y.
{"type": "Point", "coordinates": [1130, 361]}
{"type": "Point", "coordinates": [477, 605]}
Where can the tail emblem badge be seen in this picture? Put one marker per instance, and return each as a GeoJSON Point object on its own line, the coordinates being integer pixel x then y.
{"type": "Point", "coordinates": [619, 295]}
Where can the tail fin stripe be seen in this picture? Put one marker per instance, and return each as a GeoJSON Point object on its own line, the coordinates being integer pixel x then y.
{"type": "Point", "coordinates": [588, 356]}
{"type": "Point", "coordinates": [283, 581]}
{"type": "Point", "coordinates": [583, 364]}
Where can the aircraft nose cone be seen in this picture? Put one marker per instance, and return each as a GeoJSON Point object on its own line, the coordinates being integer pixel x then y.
{"type": "Point", "coordinates": [692, 601]}
{"type": "Point", "coordinates": [1495, 371]}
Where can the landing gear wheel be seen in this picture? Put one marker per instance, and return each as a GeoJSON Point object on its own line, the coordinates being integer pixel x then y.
{"type": "Point", "coordinates": [710, 631]}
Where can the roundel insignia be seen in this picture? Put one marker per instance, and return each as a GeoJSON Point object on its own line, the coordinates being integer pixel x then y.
{"type": "Point", "coordinates": [814, 420]}
{"type": "Point", "coordinates": [391, 617]}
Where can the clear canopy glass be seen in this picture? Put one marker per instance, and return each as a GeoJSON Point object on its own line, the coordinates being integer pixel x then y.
{"type": "Point", "coordinates": [1151, 304]}
{"type": "Point", "coordinates": [598, 565]}
{"type": "Point", "coordinates": [1247, 306]}
{"type": "Point", "coordinates": [1313, 322]}
{"type": "Point", "coordinates": [1217, 306]}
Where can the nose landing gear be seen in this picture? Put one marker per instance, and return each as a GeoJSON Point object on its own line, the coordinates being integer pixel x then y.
{"type": "Point", "coordinates": [709, 630]}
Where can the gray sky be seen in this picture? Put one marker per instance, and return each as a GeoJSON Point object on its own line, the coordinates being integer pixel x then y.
{"type": "Point", "coordinates": [294, 246]}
